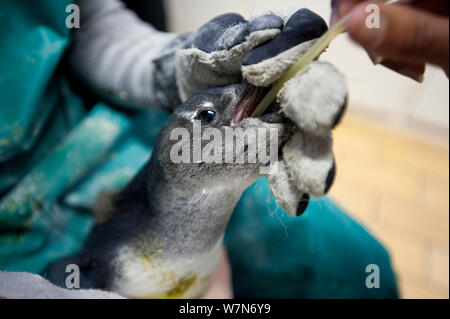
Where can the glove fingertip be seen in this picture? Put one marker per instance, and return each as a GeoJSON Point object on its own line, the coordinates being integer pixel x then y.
{"type": "Point", "coordinates": [267, 21]}
{"type": "Point", "coordinates": [232, 37]}
{"type": "Point", "coordinates": [330, 177]}
{"type": "Point", "coordinates": [340, 113]}
{"type": "Point", "coordinates": [211, 31]}
{"type": "Point", "coordinates": [302, 205]}
{"type": "Point", "coordinates": [302, 26]}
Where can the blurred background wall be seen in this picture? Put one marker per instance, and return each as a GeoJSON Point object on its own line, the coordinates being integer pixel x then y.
{"type": "Point", "coordinates": [422, 109]}
{"type": "Point", "coordinates": [391, 148]}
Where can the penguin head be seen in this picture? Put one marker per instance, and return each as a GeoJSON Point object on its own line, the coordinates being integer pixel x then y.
{"type": "Point", "coordinates": [211, 138]}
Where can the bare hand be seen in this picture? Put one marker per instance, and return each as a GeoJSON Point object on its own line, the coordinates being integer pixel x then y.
{"type": "Point", "coordinates": [411, 33]}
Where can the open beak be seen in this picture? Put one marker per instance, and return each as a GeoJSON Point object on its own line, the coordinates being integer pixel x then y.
{"type": "Point", "coordinates": [250, 97]}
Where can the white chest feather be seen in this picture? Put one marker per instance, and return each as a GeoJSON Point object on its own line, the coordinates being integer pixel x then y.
{"type": "Point", "coordinates": [148, 276]}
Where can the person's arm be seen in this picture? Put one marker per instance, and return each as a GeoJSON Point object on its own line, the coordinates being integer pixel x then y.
{"type": "Point", "coordinates": [112, 53]}
{"type": "Point", "coordinates": [411, 33]}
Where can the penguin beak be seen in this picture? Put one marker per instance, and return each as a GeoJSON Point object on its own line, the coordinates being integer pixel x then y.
{"type": "Point", "coordinates": [249, 98]}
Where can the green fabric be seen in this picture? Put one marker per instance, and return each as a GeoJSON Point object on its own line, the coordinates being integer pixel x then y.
{"type": "Point", "coordinates": [69, 112]}
{"type": "Point", "coordinates": [31, 208]}
{"type": "Point", "coordinates": [56, 155]}
{"type": "Point", "coordinates": [64, 165]}
{"type": "Point", "coordinates": [321, 254]}
{"type": "Point", "coordinates": [33, 38]}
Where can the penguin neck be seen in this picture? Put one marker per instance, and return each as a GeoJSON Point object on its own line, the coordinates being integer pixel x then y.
{"type": "Point", "coordinates": [185, 220]}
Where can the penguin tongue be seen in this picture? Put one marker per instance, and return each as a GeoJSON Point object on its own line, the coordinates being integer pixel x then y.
{"type": "Point", "coordinates": [248, 103]}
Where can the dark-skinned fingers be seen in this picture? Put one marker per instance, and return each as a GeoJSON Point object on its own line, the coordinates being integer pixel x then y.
{"type": "Point", "coordinates": [405, 34]}
{"type": "Point", "coordinates": [439, 7]}
{"type": "Point", "coordinates": [414, 71]}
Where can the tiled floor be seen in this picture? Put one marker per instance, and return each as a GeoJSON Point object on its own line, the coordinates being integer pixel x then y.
{"type": "Point", "coordinates": [397, 186]}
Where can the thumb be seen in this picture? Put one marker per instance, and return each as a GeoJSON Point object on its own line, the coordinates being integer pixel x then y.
{"type": "Point", "coordinates": [404, 33]}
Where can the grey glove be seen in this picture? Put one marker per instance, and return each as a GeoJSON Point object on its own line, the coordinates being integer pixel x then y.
{"type": "Point", "coordinates": [129, 63]}
{"type": "Point", "coordinates": [315, 101]}
{"type": "Point", "coordinates": [214, 55]}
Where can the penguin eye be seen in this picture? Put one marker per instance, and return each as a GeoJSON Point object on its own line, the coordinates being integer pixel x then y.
{"type": "Point", "coordinates": [206, 116]}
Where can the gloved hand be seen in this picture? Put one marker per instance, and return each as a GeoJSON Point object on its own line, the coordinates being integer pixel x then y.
{"type": "Point", "coordinates": [314, 100]}
{"type": "Point", "coordinates": [127, 62]}
{"type": "Point", "coordinates": [213, 55]}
